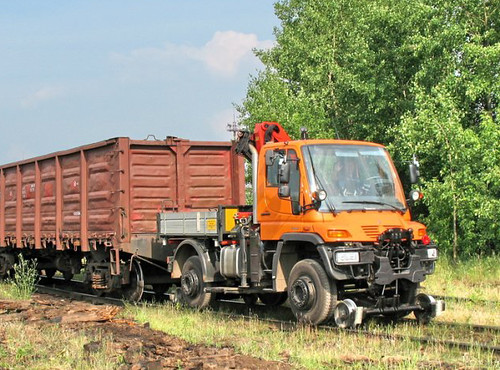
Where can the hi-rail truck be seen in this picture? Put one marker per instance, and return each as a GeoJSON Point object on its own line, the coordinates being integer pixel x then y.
{"type": "Point", "coordinates": [329, 229]}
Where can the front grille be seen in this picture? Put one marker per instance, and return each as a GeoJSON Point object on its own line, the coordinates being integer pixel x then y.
{"type": "Point", "coordinates": [373, 231]}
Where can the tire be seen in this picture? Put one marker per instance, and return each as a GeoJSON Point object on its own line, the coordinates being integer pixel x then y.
{"type": "Point", "coordinates": [311, 295]}
{"type": "Point", "coordinates": [273, 299]}
{"type": "Point", "coordinates": [192, 286]}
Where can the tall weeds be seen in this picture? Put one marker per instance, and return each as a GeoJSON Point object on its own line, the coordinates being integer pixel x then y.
{"type": "Point", "coordinates": [25, 278]}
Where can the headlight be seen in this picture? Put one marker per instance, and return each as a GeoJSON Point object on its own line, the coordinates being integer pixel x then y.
{"type": "Point", "coordinates": [346, 257]}
{"type": "Point", "coordinates": [432, 253]}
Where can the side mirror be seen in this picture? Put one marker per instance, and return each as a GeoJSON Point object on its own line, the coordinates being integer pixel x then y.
{"type": "Point", "coordinates": [284, 191]}
{"type": "Point", "coordinates": [414, 173]}
{"type": "Point", "coordinates": [270, 156]}
{"type": "Point", "coordinates": [285, 173]}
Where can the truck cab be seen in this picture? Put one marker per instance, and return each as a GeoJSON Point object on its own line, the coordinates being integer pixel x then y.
{"type": "Point", "coordinates": [341, 204]}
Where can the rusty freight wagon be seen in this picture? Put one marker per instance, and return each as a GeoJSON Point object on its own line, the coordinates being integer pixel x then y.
{"type": "Point", "coordinates": [96, 207]}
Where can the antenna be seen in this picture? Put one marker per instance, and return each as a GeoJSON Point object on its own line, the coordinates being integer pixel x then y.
{"type": "Point", "coordinates": [233, 127]}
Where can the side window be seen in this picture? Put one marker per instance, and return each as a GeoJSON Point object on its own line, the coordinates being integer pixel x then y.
{"type": "Point", "coordinates": [294, 181]}
{"type": "Point", "coordinates": [272, 170]}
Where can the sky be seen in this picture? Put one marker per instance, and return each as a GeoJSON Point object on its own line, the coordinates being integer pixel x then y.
{"type": "Point", "coordinates": [81, 71]}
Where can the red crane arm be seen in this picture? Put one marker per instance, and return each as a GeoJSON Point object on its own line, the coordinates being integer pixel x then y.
{"type": "Point", "coordinates": [269, 131]}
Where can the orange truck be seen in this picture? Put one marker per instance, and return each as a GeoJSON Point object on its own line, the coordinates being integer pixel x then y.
{"type": "Point", "coordinates": [329, 229]}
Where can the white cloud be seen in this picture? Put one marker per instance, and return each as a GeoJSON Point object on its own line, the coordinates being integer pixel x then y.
{"type": "Point", "coordinates": [222, 55]}
{"type": "Point", "coordinates": [226, 50]}
{"type": "Point", "coordinates": [44, 94]}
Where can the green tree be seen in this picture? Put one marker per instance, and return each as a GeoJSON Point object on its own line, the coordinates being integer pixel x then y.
{"type": "Point", "coordinates": [420, 76]}
{"type": "Point", "coordinates": [455, 129]}
{"type": "Point", "coordinates": [347, 64]}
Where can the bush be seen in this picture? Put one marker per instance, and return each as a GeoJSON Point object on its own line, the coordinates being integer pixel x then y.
{"type": "Point", "coordinates": [25, 278]}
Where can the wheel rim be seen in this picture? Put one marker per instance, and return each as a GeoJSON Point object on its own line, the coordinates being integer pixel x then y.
{"type": "Point", "coordinates": [345, 314]}
{"type": "Point", "coordinates": [190, 284]}
{"type": "Point", "coordinates": [303, 293]}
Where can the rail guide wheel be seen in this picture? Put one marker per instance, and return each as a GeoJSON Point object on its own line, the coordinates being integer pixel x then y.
{"type": "Point", "coordinates": [347, 314]}
{"type": "Point", "coordinates": [429, 308]}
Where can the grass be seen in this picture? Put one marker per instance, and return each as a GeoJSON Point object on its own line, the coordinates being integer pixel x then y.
{"type": "Point", "coordinates": [23, 346]}
{"type": "Point", "coordinates": [22, 285]}
{"type": "Point", "coordinates": [477, 279]}
{"type": "Point", "coordinates": [305, 347]}
{"type": "Point", "coordinates": [52, 347]}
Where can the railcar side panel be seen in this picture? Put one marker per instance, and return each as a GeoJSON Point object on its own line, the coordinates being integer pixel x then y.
{"type": "Point", "coordinates": [111, 191]}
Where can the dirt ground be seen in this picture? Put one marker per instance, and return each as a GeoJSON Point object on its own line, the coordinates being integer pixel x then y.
{"type": "Point", "coordinates": [140, 346]}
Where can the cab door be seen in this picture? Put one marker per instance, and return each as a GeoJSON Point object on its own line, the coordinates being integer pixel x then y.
{"type": "Point", "coordinates": [281, 211]}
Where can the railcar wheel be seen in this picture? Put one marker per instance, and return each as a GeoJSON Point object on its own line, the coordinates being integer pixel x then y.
{"type": "Point", "coordinates": [6, 265]}
{"type": "Point", "coordinates": [250, 299]}
{"type": "Point", "coordinates": [273, 299]}
{"type": "Point", "coordinates": [345, 314]}
{"type": "Point", "coordinates": [311, 295]}
{"type": "Point", "coordinates": [68, 275]}
{"type": "Point", "coordinates": [49, 273]}
{"type": "Point", "coordinates": [192, 286]}
{"type": "Point", "coordinates": [134, 290]}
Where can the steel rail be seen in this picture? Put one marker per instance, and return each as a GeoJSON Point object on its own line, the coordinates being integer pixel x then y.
{"type": "Point", "coordinates": [465, 299]}
{"type": "Point", "coordinates": [287, 325]}
{"type": "Point", "coordinates": [474, 327]}
{"type": "Point", "coordinates": [290, 325]}
{"type": "Point", "coordinates": [79, 296]}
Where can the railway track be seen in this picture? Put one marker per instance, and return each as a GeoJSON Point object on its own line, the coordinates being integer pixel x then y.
{"type": "Point", "coordinates": [467, 300]}
{"type": "Point", "coordinates": [464, 299]}
{"type": "Point", "coordinates": [79, 296]}
{"type": "Point", "coordinates": [239, 310]}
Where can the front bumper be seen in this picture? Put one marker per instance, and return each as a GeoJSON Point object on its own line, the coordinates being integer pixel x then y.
{"type": "Point", "coordinates": [360, 263]}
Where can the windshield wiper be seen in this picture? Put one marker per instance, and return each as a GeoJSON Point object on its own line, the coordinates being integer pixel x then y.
{"type": "Point", "coordinates": [402, 210]}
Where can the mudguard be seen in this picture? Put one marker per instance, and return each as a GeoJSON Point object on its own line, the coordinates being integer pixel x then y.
{"type": "Point", "coordinates": [191, 247]}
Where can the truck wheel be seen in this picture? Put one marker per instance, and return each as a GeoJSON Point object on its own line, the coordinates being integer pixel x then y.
{"type": "Point", "coordinates": [192, 286]}
{"type": "Point", "coordinates": [311, 295]}
{"type": "Point", "coordinates": [273, 299]}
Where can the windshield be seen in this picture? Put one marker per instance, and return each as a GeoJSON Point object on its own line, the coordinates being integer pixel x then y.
{"type": "Point", "coordinates": [355, 177]}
